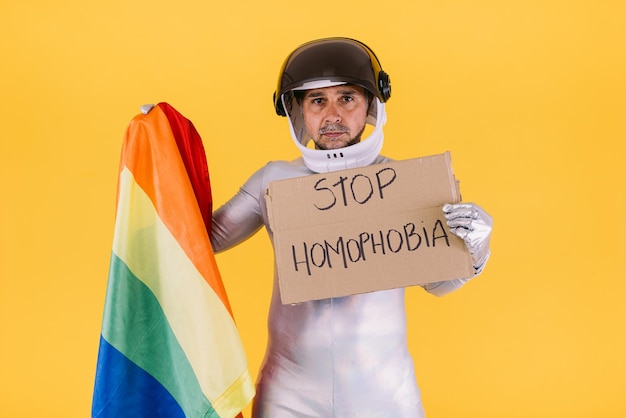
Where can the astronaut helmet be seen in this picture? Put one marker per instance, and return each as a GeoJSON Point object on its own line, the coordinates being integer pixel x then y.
{"type": "Point", "coordinates": [330, 62]}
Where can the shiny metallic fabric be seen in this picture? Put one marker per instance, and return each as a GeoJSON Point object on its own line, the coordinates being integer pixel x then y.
{"type": "Point", "coordinates": [339, 357]}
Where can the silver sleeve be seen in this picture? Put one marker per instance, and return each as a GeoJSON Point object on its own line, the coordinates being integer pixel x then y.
{"type": "Point", "coordinates": [239, 218]}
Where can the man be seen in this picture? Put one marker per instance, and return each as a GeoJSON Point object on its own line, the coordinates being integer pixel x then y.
{"type": "Point", "coordinates": [348, 356]}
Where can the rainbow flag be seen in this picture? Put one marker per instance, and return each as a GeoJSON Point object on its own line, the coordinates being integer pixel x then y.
{"type": "Point", "coordinates": [169, 346]}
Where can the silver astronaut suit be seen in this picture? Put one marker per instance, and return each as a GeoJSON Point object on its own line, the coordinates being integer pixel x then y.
{"type": "Point", "coordinates": [338, 357]}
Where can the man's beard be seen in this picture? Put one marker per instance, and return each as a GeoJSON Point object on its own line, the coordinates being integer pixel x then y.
{"type": "Point", "coordinates": [337, 127]}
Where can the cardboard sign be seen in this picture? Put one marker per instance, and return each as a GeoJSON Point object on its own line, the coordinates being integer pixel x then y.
{"type": "Point", "coordinates": [365, 229]}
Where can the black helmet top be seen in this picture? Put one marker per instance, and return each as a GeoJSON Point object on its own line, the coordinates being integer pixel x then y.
{"type": "Point", "coordinates": [335, 60]}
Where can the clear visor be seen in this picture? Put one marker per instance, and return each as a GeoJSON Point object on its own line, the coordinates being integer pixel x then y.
{"type": "Point", "coordinates": [295, 113]}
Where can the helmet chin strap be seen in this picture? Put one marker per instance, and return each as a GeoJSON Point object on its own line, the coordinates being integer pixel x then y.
{"type": "Point", "coordinates": [360, 154]}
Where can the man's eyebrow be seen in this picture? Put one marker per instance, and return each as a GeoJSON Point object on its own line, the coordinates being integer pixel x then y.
{"type": "Point", "coordinates": [316, 93]}
{"type": "Point", "coordinates": [348, 91]}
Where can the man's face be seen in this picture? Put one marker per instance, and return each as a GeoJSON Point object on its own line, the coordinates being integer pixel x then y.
{"type": "Point", "coordinates": [335, 116]}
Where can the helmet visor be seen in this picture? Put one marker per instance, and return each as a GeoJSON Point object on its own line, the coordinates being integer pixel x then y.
{"type": "Point", "coordinates": [341, 60]}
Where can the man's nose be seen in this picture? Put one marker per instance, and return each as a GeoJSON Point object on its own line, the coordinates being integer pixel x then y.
{"type": "Point", "coordinates": [332, 114]}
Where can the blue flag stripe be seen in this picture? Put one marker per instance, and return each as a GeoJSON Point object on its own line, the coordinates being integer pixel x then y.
{"type": "Point", "coordinates": [126, 390]}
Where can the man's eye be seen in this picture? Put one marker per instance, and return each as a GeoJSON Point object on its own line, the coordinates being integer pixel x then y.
{"type": "Point", "coordinates": [348, 98]}
{"type": "Point", "coordinates": [317, 100]}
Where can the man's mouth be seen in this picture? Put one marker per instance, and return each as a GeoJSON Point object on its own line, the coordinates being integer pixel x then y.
{"type": "Point", "coordinates": [333, 134]}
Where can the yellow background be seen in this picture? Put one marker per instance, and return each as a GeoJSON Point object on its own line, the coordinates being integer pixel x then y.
{"type": "Point", "coordinates": [529, 96]}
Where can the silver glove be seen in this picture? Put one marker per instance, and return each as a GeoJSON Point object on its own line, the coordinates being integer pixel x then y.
{"type": "Point", "coordinates": [473, 225]}
{"type": "Point", "coordinates": [145, 109]}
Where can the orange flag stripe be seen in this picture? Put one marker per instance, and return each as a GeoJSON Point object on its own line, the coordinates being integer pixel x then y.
{"type": "Point", "coordinates": [161, 168]}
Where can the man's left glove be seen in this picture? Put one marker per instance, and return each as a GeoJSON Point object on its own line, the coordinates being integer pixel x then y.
{"type": "Point", "coordinates": [473, 225]}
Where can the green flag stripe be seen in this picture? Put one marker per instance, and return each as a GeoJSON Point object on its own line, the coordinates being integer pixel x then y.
{"type": "Point", "coordinates": [135, 324]}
